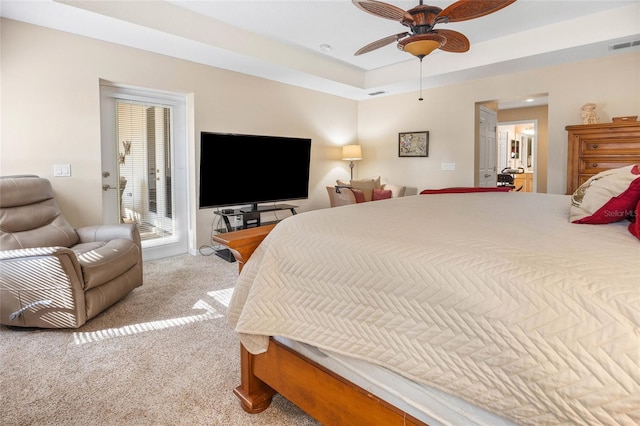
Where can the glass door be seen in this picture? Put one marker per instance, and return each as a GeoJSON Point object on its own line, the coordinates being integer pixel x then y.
{"type": "Point", "coordinates": [144, 166]}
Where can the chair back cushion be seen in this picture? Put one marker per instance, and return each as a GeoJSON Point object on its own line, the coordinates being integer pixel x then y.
{"type": "Point", "coordinates": [29, 215]}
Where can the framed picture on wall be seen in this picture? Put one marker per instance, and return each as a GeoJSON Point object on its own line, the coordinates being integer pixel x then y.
{"type": "Point", "coordinates": [413, 144]}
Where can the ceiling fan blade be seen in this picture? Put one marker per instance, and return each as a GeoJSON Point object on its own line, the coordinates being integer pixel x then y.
{"type": "Point", "coordinates": [384, 10]}
{"type": "Point", "coordinates": [380, 43]}
{"type": "Point", "coordinates": [456, 42]}
{"type": "Point", "coordinates": [463, 10]}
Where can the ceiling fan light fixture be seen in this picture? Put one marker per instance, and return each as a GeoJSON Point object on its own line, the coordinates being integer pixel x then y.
{"type": "Point", "coordinates": [422, 45]}
{"type": "Point", "coordinates": [421, 48]}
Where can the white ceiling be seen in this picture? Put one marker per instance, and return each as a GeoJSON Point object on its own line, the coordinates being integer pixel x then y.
{"type": "Point", "coordinates": [280, 40]}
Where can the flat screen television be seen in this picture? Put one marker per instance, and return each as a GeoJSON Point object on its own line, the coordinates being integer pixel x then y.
{"type": "Point", "coordinates": [237, 169]}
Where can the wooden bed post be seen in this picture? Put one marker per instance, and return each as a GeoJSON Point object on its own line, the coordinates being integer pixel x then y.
{"type": "Point", "coordinates": [254, 394]}
{"type": "Point", "coordinates": [242, 243]}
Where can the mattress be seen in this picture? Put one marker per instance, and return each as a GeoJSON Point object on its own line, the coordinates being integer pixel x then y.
{"type": "Point", "coordinates": [494, 298]}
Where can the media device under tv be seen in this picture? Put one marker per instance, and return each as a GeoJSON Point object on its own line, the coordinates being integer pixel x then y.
{"type": "Point", "coordinates": [237, 169]}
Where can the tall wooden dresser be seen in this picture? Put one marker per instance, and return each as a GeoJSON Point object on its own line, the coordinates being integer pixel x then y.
{"type": "Point", "coordinates": [594, 148]}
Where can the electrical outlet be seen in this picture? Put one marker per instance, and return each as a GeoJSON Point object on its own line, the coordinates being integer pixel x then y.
{"type": "Point", "coordinates": [448, 166]}
{"type": "Point", "coordinates": [62, 170]}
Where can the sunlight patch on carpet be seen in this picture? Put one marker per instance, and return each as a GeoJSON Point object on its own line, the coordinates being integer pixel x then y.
{"type": "Point", "coordinates": [222, 296]}
{"type": "Point", "coordinates": [81, 338]}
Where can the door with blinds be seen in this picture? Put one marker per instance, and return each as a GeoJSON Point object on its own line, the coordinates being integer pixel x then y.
{"type": "Point", "coordinates": [141, 169]}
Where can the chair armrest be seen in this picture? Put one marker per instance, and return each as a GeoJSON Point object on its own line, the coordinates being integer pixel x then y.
{"type": "Point", "coordinates": [344, 195]}
{"type": "Point", "coordinates": [127, 231]}
{"type": "Point", "coordinates": [34, 253]}
{"type": "Point", "coordinates": [29, 260]}
{"type": "Point", "coordinates": [41, 287]}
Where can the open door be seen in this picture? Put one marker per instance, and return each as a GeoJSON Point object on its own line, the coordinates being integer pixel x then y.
{"type": "Point", "coordinates": [487, 148]}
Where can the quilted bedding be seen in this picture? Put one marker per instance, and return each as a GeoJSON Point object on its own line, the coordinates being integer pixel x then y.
{"type": "Point", "coordinates": [493, 297]}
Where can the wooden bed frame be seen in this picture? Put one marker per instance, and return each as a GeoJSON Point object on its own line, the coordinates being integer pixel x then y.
{"type": "Point", "coordinates": [321, 393]}
{"type": "Point", "coordinates": [324, 395]}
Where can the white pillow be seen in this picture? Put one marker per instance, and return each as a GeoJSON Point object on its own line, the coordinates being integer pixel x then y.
{"type": "Point", "coordinates": [607, 197]}
{"type": "Point", "coordinates": [396, 190]}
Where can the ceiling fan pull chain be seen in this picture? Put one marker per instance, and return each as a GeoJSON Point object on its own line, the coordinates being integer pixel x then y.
{"type": "Point", "coordinates": [420, 98]}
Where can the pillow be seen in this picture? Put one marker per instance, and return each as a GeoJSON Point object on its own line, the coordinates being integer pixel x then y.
{"type": "Point", "coordinates": [607, 197]}
{"type": "Point", "coordinates": [380, 194]}
{"type": "Point", "coordinates": [359, 195]}
{"type": "Point", "coordinates": [634, 226]}
{"type": "Point", "coordinates": [396, 190]}
{"type": "Point", "coordinates": [366, 186]}
{"type": "Point", "coordinates": [376, 181]}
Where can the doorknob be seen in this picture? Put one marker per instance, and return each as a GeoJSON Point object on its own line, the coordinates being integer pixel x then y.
{"type": "Point", "coordinates": [487, 175]}
{"type": "Point", "coordinates": [108, 187]}
{"type": "Point", "coordinates": [106, 174]}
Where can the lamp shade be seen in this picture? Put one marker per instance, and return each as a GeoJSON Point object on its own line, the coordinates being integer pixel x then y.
{"type": "Point", "coordinates": [422, 45]}
{"type": "Point", "coordinates": [351, 152]}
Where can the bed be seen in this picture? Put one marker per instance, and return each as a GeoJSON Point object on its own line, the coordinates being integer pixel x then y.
{"type": "Point", "coordinates": [494, 302]}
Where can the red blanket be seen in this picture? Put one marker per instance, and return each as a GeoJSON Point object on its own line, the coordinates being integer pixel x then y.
{"type": "Point", "coordinates": [463, 189]}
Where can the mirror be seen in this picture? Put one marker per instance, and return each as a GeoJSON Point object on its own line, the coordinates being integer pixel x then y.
{"type": "Point", "coordinates": [520, 145]}
{"type": "Point", "coordinates": [515, 150]}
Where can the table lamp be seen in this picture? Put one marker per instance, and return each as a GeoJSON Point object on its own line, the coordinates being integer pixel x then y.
{"type": "Point", "coordinates": [351, 153]}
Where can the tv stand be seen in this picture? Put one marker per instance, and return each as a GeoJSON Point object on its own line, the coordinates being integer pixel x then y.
{"type": "Point", "coordinates": [250, 219]}
{"type": "Point", "coordinates": [251, 216]}
{"type": "Point", "coordinates": [265, 209]}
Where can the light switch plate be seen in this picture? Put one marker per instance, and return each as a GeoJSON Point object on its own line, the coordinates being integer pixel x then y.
{"type": "Point", "coordinates": [62, 170]}
{"type": "Point", "coordinates": [448, 166]}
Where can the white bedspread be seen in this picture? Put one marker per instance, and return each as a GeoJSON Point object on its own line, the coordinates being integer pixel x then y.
{"type": "Point", "coordinates": [493, 297]}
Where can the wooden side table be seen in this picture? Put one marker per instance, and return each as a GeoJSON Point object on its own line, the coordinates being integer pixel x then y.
{"type": "Point", "coordinates": [242, 243]}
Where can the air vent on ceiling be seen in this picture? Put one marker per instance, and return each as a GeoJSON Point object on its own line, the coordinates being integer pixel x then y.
{"type": "Point", "coordinates": [625, 45]}
{"type": "Point", "coordinates": [380, 92]}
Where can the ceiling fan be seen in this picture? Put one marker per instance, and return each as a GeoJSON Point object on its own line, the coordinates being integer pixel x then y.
{"type": "Point", "coordinates": [422, 37]}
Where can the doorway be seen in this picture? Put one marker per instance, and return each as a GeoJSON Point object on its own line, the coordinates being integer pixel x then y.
{"type": "Point", "coordinates": [517, 152]}
{"type": "Point", "coordinates": [530, 149]}
{"type": "Point", "coordinates": [143, 157]}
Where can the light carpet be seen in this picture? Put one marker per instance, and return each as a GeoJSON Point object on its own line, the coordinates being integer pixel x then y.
{"type": "Point", "coordinates": [164, 355]}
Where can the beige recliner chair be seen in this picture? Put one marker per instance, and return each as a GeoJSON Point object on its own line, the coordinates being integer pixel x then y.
{"type": "Point", "coordinates": [54, 276]}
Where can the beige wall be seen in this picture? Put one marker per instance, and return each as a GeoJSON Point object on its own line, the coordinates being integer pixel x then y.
{"type": "Point", "coordinates": [448, 113]}
{"type": "Point", "coordinates": [50, 114]}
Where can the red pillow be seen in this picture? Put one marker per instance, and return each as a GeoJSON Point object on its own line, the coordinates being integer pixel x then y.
{"type": "Point", "coordinates": [634, 226]}
{"type": "Point", "coordinates": [607, 197]}
{"type": "Point", "coordinates": [359, 195]}
{"type": "Point", "coordinates": [381, 194]}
